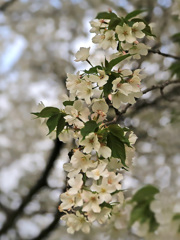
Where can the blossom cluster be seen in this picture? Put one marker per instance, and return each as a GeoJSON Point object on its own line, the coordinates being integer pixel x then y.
{"type": "Point", "coordinates": [94, 185]}
{"type": "Point", "coordinates": [125, 37]}
{"type": "Point", "coordinates": [103, 149]}
{"type": "Point", "coordinates": [95, 169]}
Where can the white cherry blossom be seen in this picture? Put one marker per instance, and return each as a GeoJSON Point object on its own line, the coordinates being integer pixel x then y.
{"type": "Point", "coordinates": [137, 29]}
{"type": "Point", "coordinates": [98, 39]}
{"type": "Point", "coordinates": [85, 91]}
{"type": "Point", "coordinates": [104, 191]}
{"type": "Point", "coordinates": [92, 202]}
{"type": "Point", "coordinates": [77, 114]}
{"type": "Point", "coordinates": [67, 200]}
{"type": "Point", "coordinates": [101, 217]}
{"type": "Point", "coordinates": [104, 151]}
{"type": "Point", "coordinates": [124, 88]}
{"type": "Point", "coordinates": [73, 82]}
{"type": "Point", "coordinates": [90, 143]}
{"type": "Point", "coordinates": [139, 49]}
{"type": "Point", "coordinates": [97, 24]}
{"type": "Point", "coordinates": [109, 40]}
{"type": "Point", "coordinates": [100, 107]}
{"type": "Point", "coordinates": [99, 171]}
{"type": "Point", "coordinates": [75, 183]}
{"type": "Point", "coordinates": [103, 78]}
{"type": "Point", "coordinates": [66, 135]}
{"type": "Point", "coordinates": [82, 54]}
{"type": "Point", "coordinates": [81, 161]}
{"type": "Point", "coordinates": [125, 33]}
{"type": "Point", "coordinates": [113, 181]}
{"type": "Point", "coordinates": [76, 222]}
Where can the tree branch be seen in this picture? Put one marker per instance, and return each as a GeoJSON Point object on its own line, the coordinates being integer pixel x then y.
{"type": "Point", "coordinates": [143, 104]}
{"type": "Point", "coordinates": [5, 5]}
{"type": "Point", "coordinates": [45, 232]}
{"type": "Point", "coordinates": [153, 87]}
{"type": "Point", "coordinates": [39, 184]}
{"type": "Point", "coordinates": [163, 54]}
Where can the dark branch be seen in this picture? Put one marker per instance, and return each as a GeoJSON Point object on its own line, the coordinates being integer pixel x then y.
{"type": "Point", "coordinates": [158, 86]}
{"type": "Point", "coordinates": [143, 104]}
{"type": "Point", "coordinates": [53, 224]}
{"type": "Point", "coordinates": [5, 5]}
{"type": "Point", "coordinates": [45, 232]}
{"type": "Point", "coordinates": [39, 184]}
{"type": "Point", "coordinates": [164, 54]}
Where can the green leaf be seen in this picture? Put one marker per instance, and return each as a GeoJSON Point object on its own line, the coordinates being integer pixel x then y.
{"type": "Point", "coordinates": [52, 122]}
{"type": "Point", "coordinates": [176, 216]}
{"type": "Point", "coordinates": [93, 70]}
{"type": "Point", "coordinates": [137, 213]}
{"type": "Point", "coordinates": [114, 22]}
{"type": "Point", "coordinates": [66, 103]}
{"type": "Point", "coordinates": [119, 133]}
{"type": "Point", "coordinates": [47, 112]}
{"type": "Point", "coordinates": [108, 86]}
{"type": "Point", "coordinates": [106, 15]}
{"type": "Point", "coordinates": [60, 124]}
{"type": "Point", "coordinates": [142, 213]}
{"type": "Point", "coordinates": [89, 127]}
{"type": "Point", "coordinates": [147, 31]}
{"type": "Point", "coordinates": [106, 63]}
{"type": "Point", "coordinates": [145, 194]}
{"type": "Point", "coordinates": [134, 14]}
{"type": "Point", "coordinates": [105, 204]}
{"type": "Point", "coordinates": [176, 37]}
{"type": "Point", "coordinates": [153, 225]}
{"type": "Point", "coordinates": [115, 61]}
{"type": "Point", "coordinates": [175, 68]}
{"type": "Point", "coordinates": [117, 147]}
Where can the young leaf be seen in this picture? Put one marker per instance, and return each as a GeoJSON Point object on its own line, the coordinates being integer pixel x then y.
{"type": "Point", "coordinates": [60, 124]}
{"type": "Point", "coordinates": [93, 70]}
{"type": "Point", "coordinates": [176, 37]}
{"type": "Point", "coordinates": [114, 22]}
{"type": "Point", "coordinates": [89, 127]}
{"type": "Point", "coordinates": [47, 112]}
{"type": "Point", "coordinates": [137, 213]}
{"type": "Point", "coordinates": [107, 205]}
{"type": "Point", "coordinates": [52, 122]}
{"type": "Point", "coordinates": [134, 14]}
{"type": "Point", "coordinates": [115, 61]}
{"type": "Point", "coordinates": [108, 86]}
{"type": "Point", "coordinates": [117, 147]}
{"type": "Point", "coordinates": [106, 63]}
{"type": "Point", "coordinates": [66, 103]}
{"type": "Point", "coordinates": [119, 133]}
{"type": "Point", "coordinates": [106, 15]}
{"type": "Point", "coordinates": [175, 68]}
{"type": "Point", "coordinates": [176, 216]}
{"type": "Point", "coordinates": [145, 194]}
{"type": "Point", "coordinates": [142, 213]}
{"type": "Point", "coordinates": [147, 31]}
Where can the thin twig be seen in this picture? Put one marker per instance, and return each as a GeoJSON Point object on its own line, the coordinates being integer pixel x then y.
{"type": "Point", "coordinates": [153, 87]}
{"type": "Point", "coordinates": [42, 182]}
{"type": "Point", "coordinates": [45, 232]}
{"type": "Point", "coordinates": [163, 54]}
